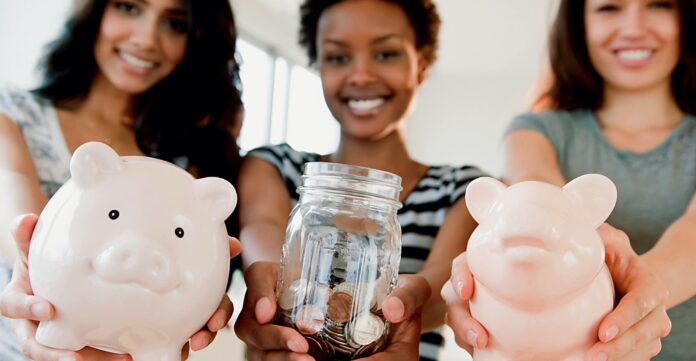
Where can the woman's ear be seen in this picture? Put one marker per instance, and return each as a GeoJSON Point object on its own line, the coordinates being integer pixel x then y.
{"type": "Point", "coordinates": [423, 69]}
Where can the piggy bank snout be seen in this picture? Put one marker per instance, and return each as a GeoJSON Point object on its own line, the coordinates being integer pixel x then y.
{"type": "Point", "coordinates": [138, 263]}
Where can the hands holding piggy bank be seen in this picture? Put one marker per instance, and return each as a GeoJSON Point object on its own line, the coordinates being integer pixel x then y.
{"type": "Point", "coordinates": [541, 284]}
{"type": "Point", "coordinates": [133, 254]}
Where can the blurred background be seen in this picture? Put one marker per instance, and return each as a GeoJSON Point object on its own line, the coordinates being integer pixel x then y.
{"type": "Point", "coordinates": [491, 54]}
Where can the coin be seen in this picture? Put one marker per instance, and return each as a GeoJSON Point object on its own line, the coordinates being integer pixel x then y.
{"type": "Point", "coordinates": [345, 287]}
{"type": "Point", "coordinates": [319, 348]}
{"type": "Point", "coordinates": [366, 329]}
{"type": "Point", "coordinates": [309, 319]}
{"type": "Point", "coordinates": [292, 296]}
{"type": "Point", "coordinates": [320, 294]}
{"type": "Point", "coordinates": [339, 307]}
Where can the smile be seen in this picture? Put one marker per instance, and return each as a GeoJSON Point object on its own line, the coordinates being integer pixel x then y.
{"type": "Point", "coordinates": [634, 55]}
{"type": "Point", "coordinates": [135, 61]}
{"type": "Point", "coordinates": [364, 105]}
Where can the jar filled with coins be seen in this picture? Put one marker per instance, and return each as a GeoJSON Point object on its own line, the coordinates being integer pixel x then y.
{"type": "Point", "coordinates": [341, 260]}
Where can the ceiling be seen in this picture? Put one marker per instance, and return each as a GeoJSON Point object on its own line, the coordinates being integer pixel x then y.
{"type": "Point", "coordinates": [478, 37]}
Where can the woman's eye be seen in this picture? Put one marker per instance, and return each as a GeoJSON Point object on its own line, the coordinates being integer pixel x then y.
{"type": "Point", "coordinates": [178, 25]}
{"type": "Point", "coordinates": [127, 8]}
{"type": "Point", "coordinates": [336, 59]}
{"type": "Point", "coordinates": [607, 8]}
{"type": "Point", "coordinates": [386, 55]}
{"type": "Point", "coordinates": [661, 5]}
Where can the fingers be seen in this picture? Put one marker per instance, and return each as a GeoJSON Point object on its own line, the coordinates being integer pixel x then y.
{"type": "Point", "coordinates": [22, 231]}
{"type": "Point", "coordinates": [25, 331]}
{"type": "Point", "coordinates": [15, 303]}
{"type": "Point", "coordinates": [255, 354]}
{"type": "Point", "coordinates": [409, 295]}
{"type": "Point", "coordinates": [271, 337]}
{"type": "Point", "coordinates": [641, 300]}
{"type": "Point", "coordinates": [462, 280]}
{"type": "Point", "coordinates": [262, 278]}
{"type": "Point", "coordinates": [202, 339]}
{"type": "Point", "coordinates": [222, 315]}
{"type": "Point", "coordinates": [235, 247]}
{"type": "Point", "coordinates": [217, 321]}
{"type": "Point", "coordinates": [253, 324]}
{"type": "Point", "coordinates": [643, 338]}
{"type": "Point", "coordinates": [465, 327]}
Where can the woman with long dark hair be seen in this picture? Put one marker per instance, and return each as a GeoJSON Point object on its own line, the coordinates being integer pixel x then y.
{"type": "Point", "coordinates": [155, 78]}
{"type": "Point", "coordinates": [621, 102]}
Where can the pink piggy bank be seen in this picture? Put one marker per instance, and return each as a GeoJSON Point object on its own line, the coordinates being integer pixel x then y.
{"type": "Point", "coordinates": [541, 284]}
{"type": "Point", "coordinates": [133, 253]}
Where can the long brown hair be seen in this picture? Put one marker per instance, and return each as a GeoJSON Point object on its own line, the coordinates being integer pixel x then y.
{"type": "Point", "coordinates": [573, 81]}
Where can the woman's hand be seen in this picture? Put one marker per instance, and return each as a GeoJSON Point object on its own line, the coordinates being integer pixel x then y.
{"type": "Point", "coordinates": [267, 341]}
{"type": "Point", "coordinates": [632, 331]}
{"type": "Point", "coordinates": [403, 310]}
{"type": "Point", "coordinates": [18, 302]}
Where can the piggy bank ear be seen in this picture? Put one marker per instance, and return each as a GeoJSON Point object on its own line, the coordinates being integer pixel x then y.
{"type": "Point", "coordinates": [594, 193]}
{"type": "Point", "coordinates": [93, 161]}
{"type": "Point", "coordinates": [481, 195]}
{"type": "Point", "coordinates": [216, 194]}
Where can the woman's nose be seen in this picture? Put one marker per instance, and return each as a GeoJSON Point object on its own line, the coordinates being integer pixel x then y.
{"type": "Point", "coordinates": [362, 72]}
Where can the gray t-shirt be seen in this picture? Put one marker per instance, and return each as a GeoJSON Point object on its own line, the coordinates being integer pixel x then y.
{"type": "Point", "coordinates": [37, 119]}
{"type": "Point", "coordinates": [654, 189]}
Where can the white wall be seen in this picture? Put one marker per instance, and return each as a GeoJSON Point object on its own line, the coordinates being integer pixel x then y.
{"type": "Point", "coordinates": [25, 28]}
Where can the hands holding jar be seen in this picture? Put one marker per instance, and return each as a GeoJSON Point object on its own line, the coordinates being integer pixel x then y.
{"type": "Point", "coordinates": [267, 341]}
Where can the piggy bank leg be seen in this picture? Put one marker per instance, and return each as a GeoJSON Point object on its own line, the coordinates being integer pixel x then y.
{"type": "Point", "coordinates": [576, 356]}
{"type": "Point", "coordinates": [157, 355]}
{"type": "Point", "coordinates": [57, 335]}
{"type": "Point", "coordinates": [487, 354]}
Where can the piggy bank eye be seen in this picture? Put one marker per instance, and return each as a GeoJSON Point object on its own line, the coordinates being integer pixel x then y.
{"type": "Point", "coordinates": [179, 232]}
{"type": "Point", "coordinates": [114, 214]}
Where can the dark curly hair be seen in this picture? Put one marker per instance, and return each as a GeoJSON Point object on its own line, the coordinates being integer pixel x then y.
{"type": "Point", "coordinates": [187, 116]}
{"type": "Point", "coordinates": [576, 84]}
{"type": "Point", "coordinates": [421, 13]}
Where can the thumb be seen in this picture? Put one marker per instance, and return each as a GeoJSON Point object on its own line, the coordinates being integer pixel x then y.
{"type": "Point", "coordinates": [407, 299]}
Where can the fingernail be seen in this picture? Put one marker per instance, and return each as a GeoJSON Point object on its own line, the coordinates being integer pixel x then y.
{"type": "Point", "coordinates": [294, 346]}
{"type": "Point", "coordinates": [471, 337]}
{"type": "Point", "coordinates": [398, 309]}
{"type": "Point", "coordinates": [458, 287]}
{"type": "Point", "coordinates": [601, 357]}
{"type": "Point", "coordinates": [610, 333]}
{"type": "Point", "coordinates": [39, 310]}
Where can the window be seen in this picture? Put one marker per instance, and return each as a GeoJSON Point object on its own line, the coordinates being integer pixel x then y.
{"type": "Point", "coordinates": [283, 103]}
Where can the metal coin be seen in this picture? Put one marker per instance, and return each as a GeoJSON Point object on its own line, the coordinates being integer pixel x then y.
{"type": "Point", "coordinates": [309, 320]}
{"type": "Point", "coordinates": [339, 307]}
{"type": "Point", "coordinates": [345, 287]}
{"type": "Point", "coordinates": [319, 348]}
{"type": "Point", "coordinates": [366, 329]}
{"type": "Point", "coordinates": [292, 296]}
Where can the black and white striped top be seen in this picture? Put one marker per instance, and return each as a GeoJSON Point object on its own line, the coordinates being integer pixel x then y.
{"type": "Point", "coordinates": [422, 214]}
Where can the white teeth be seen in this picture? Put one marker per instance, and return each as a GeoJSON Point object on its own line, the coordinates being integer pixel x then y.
{"type": "Point", "coordinates": [634, 55]}
{"type": "Point", "coordinates": [366, 104]}
{"type": "Point", "coordinates": [132, 60]}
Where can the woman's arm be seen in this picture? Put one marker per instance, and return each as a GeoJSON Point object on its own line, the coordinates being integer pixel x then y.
{"type": "Point", "coordinates": [674, 256]}
{"type": "Point", "coordinates": [19, 185]}
{"type": "Point", "coordinates": [529, 155]}
{"type": "Point", "coordinates": [450, 241]}
{"type": "Point", "coordinates": [263, 213]}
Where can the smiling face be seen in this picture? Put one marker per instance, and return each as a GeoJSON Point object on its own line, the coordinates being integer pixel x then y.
{"type": "Point", "coordinates": [633, 44]}
{"type": "Point", "coordinates": [141, 42]}
{"type": "Point", "coordinates": [370, 67]}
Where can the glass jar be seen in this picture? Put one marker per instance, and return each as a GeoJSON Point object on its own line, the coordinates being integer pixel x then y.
{"type": "Point", "coordinates": [341, 260]}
